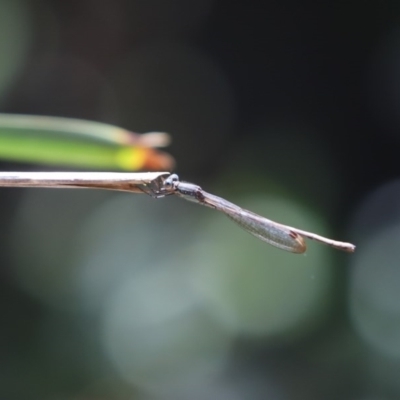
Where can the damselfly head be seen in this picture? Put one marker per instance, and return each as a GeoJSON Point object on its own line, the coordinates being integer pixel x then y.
{"type": "Point", "coordinates": [171, 182]}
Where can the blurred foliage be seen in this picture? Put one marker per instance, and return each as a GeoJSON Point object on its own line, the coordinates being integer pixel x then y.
{"type": "Point", "coordinates": [80, 144]}
{"type": "Point", "coordinates": [290, 109]}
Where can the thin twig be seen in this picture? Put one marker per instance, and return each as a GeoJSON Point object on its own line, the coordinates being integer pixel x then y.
{"type": "Point", "coordinates": [142, 182]}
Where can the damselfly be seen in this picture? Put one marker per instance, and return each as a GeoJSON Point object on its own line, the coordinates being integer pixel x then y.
{"type": "Point", "coordinates": [279, 235]}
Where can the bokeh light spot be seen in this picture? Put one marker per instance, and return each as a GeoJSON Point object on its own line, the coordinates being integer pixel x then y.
{"type": "Point", "coordinates": [14, 39]}
{"type": "Point", "coordinates": [159, 336]}
{"type": "Point", "coordinates": [374, 291]}
{"type": "Point", "coordinates": [259, 290]}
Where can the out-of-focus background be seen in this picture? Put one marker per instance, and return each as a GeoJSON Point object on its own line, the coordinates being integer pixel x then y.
{"type": "Point", "coordinates": [290, 109]}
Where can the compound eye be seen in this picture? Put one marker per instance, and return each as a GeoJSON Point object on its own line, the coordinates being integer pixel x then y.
{"type": "Point", "coordinates": [171, 181]}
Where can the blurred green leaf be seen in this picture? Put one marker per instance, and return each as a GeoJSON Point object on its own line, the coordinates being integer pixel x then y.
{"type": "Point", "coordinates": [79, 143]}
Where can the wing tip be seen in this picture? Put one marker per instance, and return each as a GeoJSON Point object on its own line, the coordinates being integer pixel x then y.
{"type": "Point", "coordinates": [300, 246]}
